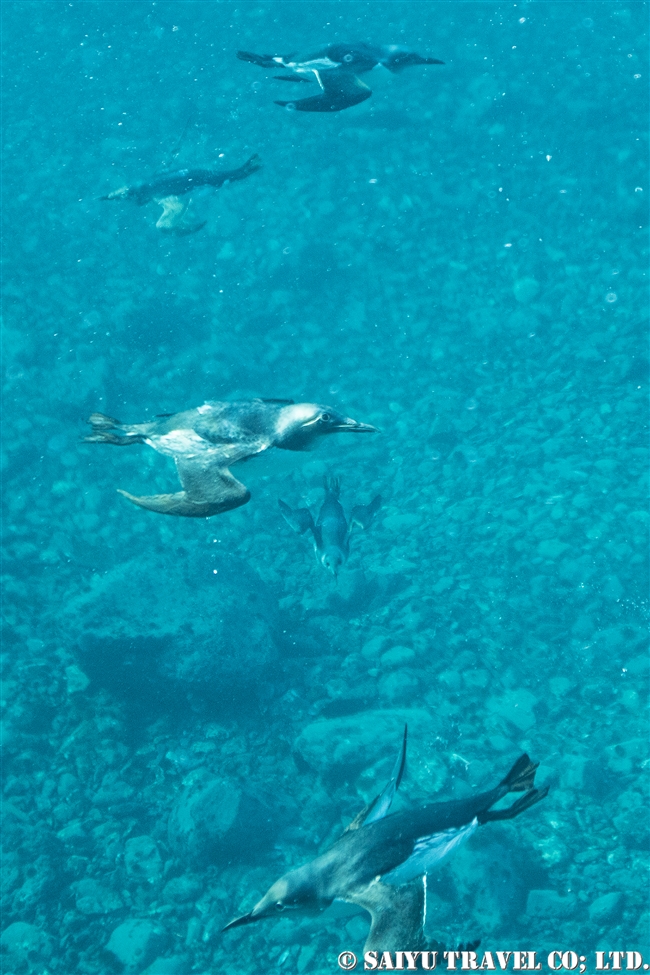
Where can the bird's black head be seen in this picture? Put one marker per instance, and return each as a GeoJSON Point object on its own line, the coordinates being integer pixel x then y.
{"type": "Point", "coordinates": [396, 59]}
{"type": "Point", "coordinates": [300, 425]}
{"type": "Point", "coordinates": [296, 892]}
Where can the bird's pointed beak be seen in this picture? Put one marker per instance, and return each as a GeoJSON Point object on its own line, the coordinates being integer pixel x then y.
{"type": "Point", "coordinates": [244, 919]}
{"type": "Point", "coordinates": [353, 426]}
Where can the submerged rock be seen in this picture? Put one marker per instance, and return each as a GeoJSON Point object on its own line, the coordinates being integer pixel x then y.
{"type": "Point", "coordinates": [142, 859]}
{"type": "Point", "coordinates": [94, 898]}
{"type": "Point", "coordinates": [76, 680]}
{"type": "Point", "coordinates": [550, 904]}
{"type": "Point", "coordinates": [136, 942]}
{"type": "Point", "coordinates": [203, 814]}
{"type": "Point", "coordinates": [24, 944]}
{"type": "Point", "coordinates": [181, 889]}
{"type": "Point", "coordinates": [191, 618]}
{"type": "Point", "coordinates": [606, 908]}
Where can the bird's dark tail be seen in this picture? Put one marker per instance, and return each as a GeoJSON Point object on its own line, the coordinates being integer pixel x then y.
{"type": "Point", "coordinates": [404, 59]}
{"type": "Point", "coordinates": [531, 798]}
{"type": "Point", "coordinates": [104, 431]}
{"type": "Point", "coordinates": [521, 776]}
{"type": "Point", "coordinates": [263, 60]}
{"type": "Point", "coordinates": [250, 166]}
{"type": "Point", "coordinates": [332, 486]}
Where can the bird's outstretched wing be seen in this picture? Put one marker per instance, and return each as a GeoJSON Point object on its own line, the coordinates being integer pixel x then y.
{"type": "Point", "coordinates": [208, 489]}
{"type": "Point", "coordinates": [362, 514]}
{"type": "Point", "coordinates": [291, 77]}
{"type": "Point", "coordinates": [397, 915]}
{"type": "Point", "coordinates": [300, 519]}
{"type": "Point", "coordinates": [341, 89]}
{"type": "Point", "coordinates": [428, 852]}
{"type": "Point", "coordinates": [171, 220]}
{"type": "Point", "coordinates": [380, 805]}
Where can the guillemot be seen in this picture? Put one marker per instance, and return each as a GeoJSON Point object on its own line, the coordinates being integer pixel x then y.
{"type": "Point", "coordinates": [168, 189]}
{"type": "Point", "coordinates": [336, 69]}
{"type": "Point", "coordinates": [205, 442]}
{"type": "Point", "coordinates": [379, 856]}
{"type": "Point", "coordinates": [331, 530]}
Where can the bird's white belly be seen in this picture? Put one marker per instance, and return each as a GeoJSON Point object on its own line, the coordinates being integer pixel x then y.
{"type": "Point", "coordinates": [179, 442]}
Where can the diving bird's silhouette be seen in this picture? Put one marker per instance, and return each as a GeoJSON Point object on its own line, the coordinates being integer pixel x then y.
{"type": "Point", "coordinates": [336, 69]}
{"type": "Point", "coordinates": [167, 189]}
{"type": "Point", "coordinates": [205, 442]}
{"type": "Point", "coordinates": [377, 859]}
{"type": "Point", "coordinates": [331, 531]}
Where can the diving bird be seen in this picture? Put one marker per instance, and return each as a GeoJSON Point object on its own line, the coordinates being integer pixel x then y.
{"type": "Point", "coordinates": [167, 189]}
{"type": "Point", "coordinates": [331, 531]}
{"type": "Point", "coordinates": [380, 855]}
{"type": "Point", "coordinates": [336, 69]}
{"type": "Point", "coordinates": [205, 442]}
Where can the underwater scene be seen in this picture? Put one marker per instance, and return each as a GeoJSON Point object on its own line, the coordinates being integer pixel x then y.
{"type": "Point", "coordinates": [355, 630]}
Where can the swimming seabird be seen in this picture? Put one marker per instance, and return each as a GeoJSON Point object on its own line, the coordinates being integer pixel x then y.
{"type": "Point", "coordinates": [205, 442]}
{"type": "Point", "coordinates": [172, 191]}
{"type": "Point", "coordinates": [336, 69]}
{"type": "Point", "coordinates": [380, 855]}
{"type": "Point", "coordinates": [331, 531]}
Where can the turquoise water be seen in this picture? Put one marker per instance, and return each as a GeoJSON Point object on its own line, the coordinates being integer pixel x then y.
{"type": "Point", "coordinates": [194, 707]}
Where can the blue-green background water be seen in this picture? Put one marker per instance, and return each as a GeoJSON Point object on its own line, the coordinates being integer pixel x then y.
{"type": "Point", "coordinates": [461, 260]}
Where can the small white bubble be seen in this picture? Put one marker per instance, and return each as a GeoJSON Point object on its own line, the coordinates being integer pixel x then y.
{"type": "Point", "coordinates": [522, 20]}
{"type": "Point", "coordinates": [215, 572]}
{"type": "Point", "coordinates": [611, 297]}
